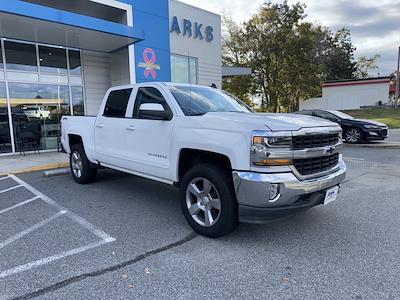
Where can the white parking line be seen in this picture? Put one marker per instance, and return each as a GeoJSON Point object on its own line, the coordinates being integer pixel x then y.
{"type": "Point", "coordinates": [50, 259]}
{"type": "Point", "coordinates": [2, 178]}
{"type": "Point", "coordinates": [98, 232]}
{"type": "Point", "coordinates": [10, 189]}
{"type": "Point", "coordinates": [30, 229]}
{"type": "Point", "coordinates": [19, 204]}
{"type": "Point", "coordinates": [354, 158]}
{"type": "Point", "coordinates": [105, 238]}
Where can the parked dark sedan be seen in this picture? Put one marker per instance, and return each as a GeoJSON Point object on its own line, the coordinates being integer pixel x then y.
{"type": "Point", "coordinates": [354, 130]}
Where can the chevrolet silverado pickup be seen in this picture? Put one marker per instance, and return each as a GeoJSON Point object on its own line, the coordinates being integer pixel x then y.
{"type": "Point", "coordinates": [230, 163]}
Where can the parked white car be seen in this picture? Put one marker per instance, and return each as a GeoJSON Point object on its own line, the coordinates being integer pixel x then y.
{"type": "Point", "coordinates": [231, 164]}
{"type": "Point", "coordinates": [36, 112]}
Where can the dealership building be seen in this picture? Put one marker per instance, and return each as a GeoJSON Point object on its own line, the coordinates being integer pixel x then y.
{"type": "Point", "coordinates": [59, 57]}
{"type": "Point", "coordinates": [351, 94]}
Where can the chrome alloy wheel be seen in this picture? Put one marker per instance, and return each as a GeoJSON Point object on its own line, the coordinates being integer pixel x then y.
{"type": "Point", "coordinates": [76, 164]}
{"type": "Point", "coordinates": [353, 135]}
{"type": "Point", "coordinates": [203, 202]}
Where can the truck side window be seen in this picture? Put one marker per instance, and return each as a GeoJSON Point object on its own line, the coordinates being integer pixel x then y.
{"type": "Point", "coordinates": [148, 95]}
{"type": "Point", "coordinates": [117, 103]}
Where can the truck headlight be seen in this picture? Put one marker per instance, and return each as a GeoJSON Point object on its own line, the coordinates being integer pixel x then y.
{"type": "Point", "coordinates": [273, 141]}
{"type": "Point", "coordinates": [262, 145]}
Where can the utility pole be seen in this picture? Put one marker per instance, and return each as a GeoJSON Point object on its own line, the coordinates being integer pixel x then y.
{"type": "Point", "coordinates": [397, 81]}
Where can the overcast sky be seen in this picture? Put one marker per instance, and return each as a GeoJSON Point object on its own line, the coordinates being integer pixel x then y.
{"type": "Point", "coordinates": [374, 24]}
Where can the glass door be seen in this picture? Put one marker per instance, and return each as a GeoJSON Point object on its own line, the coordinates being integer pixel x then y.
{"type": "Point", "coordinates": [43, 83]}
{"type": "Point", "coordinates": [5, 137]}
{"type": "Point", "coordinates": [36, 113]}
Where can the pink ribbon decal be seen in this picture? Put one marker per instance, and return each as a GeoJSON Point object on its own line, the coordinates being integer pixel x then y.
{"type": "Point", "coordinates": [149, 65]}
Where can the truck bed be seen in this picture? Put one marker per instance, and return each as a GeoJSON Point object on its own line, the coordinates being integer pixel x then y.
{"type": "Point", "coordinates": [82, 126]}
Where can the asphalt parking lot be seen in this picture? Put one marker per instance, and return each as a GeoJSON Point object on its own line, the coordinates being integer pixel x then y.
{"type": "Point", "coordinates": [125, 237]}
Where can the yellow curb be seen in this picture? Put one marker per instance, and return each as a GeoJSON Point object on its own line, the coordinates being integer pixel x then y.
{"type": "Point", "coordinates": [38, 168]}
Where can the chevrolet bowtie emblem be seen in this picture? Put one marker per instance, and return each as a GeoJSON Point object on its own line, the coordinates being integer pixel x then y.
{"type": "Point", "coordinates": [330, 150]}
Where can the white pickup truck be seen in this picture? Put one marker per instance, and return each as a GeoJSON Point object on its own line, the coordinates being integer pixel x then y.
{"type": "Point", "coordinates": [231, 164]}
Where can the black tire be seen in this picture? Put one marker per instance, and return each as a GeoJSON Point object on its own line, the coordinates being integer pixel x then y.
{"type": "Point", "coordinates": [88, 171]}
{"type": "Point", "coordinates": [353, 136]}
{"type": "Point", "coordinates": [226, 218]}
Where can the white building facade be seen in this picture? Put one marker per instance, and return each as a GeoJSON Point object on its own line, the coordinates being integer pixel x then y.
{"type": "Point", "coordinates": [350, 94]}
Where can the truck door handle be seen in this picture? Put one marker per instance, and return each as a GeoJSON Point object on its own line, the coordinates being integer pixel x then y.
{"type": "Point", "coordinates": [131, 128]}
{"type": "Point", "coordinates": [100, 125]}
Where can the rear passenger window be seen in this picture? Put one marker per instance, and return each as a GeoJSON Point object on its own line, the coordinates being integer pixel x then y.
{"type": "Point", "coordinates": [117, 103]}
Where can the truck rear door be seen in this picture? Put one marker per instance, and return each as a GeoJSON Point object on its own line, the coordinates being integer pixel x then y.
{"type": "Point", "coordinates": [111, 128]}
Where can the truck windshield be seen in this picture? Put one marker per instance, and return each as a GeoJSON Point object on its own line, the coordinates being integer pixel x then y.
{"type": "Point", "coordinates": [196, 100]}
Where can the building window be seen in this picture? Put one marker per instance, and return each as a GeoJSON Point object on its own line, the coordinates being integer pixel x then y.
{"type": "Point", "coordinates": [184, 69]}
{"type": "Point", "coordinates": [78, 103]}
{"type": "Point", "coordinates": [5, 136]}
{"type": "Point", "coordinates": [20, 56]}
{"type": "Point", "coordinates": [36, 112]}
{"type": "Point", "coordinates": [53, 60]}
{"type": "Point", "coordinates": [43, 84]}
{"type": "Point", "coordinates": [74, 62]}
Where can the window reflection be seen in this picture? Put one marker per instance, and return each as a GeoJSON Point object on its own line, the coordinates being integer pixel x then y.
{"type": "Point", "coordinates": [53, 60]}
{"type": "Point", "coordinates": [5, 137]}
{"type": "Point", "coordinates": [183, 69]}
{"type": "Point", "coordinates": [193, 70]}
{"type": "Point", "coordinates": [74, 62]}
{"type": "Point", "coordinates": [1, 59]}
{"type": "Point", "coordinates": [38, 100]}
{"type": "Point", "coordinates": [78, 101]}
{"type": "Point", "coordinates": [36, 113]}
{"type": "Point", "coordinates": [21, 57]}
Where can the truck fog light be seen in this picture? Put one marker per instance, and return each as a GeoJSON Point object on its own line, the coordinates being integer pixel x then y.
{"type": "Point", "coordinates": [273, 192]}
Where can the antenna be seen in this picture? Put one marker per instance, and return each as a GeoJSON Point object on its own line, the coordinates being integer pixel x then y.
{"type": "Point", "coordinates": [190, 83]}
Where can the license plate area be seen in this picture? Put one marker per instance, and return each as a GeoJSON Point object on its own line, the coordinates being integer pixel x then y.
{"type": "Point", "coordinates": [331, 195]}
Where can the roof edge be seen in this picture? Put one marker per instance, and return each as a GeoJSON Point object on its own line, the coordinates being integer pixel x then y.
{"type": "Point", "coordinates": [357, 79]}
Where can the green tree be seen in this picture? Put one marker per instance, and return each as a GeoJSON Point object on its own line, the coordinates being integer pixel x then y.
{"type": "Point", "coordinates": [289, 57]}
{"type": "Point", "coordinates": [234, 54]}
{"type": "Point", "coordinates": [279, 45]}
{"type": "Point", "coordinates": [366, 65]}
{"type": "Point", "coordinates": [336, 52]}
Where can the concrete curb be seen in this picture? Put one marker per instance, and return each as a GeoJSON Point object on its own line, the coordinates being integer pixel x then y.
{"type": "Point", "coordinates": [45, 167]}
{"type": "Point", "coordinates": [56, 172]}
{"type": "Point", "coordinates": [376, 146]}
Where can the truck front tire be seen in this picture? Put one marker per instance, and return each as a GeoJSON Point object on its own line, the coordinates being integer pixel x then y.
{"type": "Point", "coordinates": [82, 170]}
{"type": "Point", "coordinates": [208, 200]}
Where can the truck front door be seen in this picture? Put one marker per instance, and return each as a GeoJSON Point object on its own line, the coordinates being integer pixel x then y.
{"type": "Point", "coordinates": [148, 144]}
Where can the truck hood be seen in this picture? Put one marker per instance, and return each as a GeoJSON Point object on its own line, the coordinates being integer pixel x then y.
{"type": "Point", "coordinates": [273, 122]}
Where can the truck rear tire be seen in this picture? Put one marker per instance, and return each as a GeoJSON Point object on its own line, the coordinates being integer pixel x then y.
{"type": "Point", "coordinates": [208, 200]}
{"type": "Point", "coordinates": [82, 169]}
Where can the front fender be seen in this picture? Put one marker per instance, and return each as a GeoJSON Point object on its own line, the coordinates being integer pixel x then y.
{"type": "Point", "coordinates": [234, 145]}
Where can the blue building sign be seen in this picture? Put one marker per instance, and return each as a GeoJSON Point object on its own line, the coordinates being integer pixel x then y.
{"type": "Point", "coordinates": [152, 55]}
{"type": "Point", "coordinates": [192, 29]}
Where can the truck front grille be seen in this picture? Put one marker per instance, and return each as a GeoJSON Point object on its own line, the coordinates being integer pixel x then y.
{"type": "Point", "coordinates": [314, 141]}
{"type": "Point", "coordinates": [315, 165]}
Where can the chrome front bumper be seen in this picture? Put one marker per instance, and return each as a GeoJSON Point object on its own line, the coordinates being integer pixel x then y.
{"type": "Point", "coordinates": [252, 192]}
